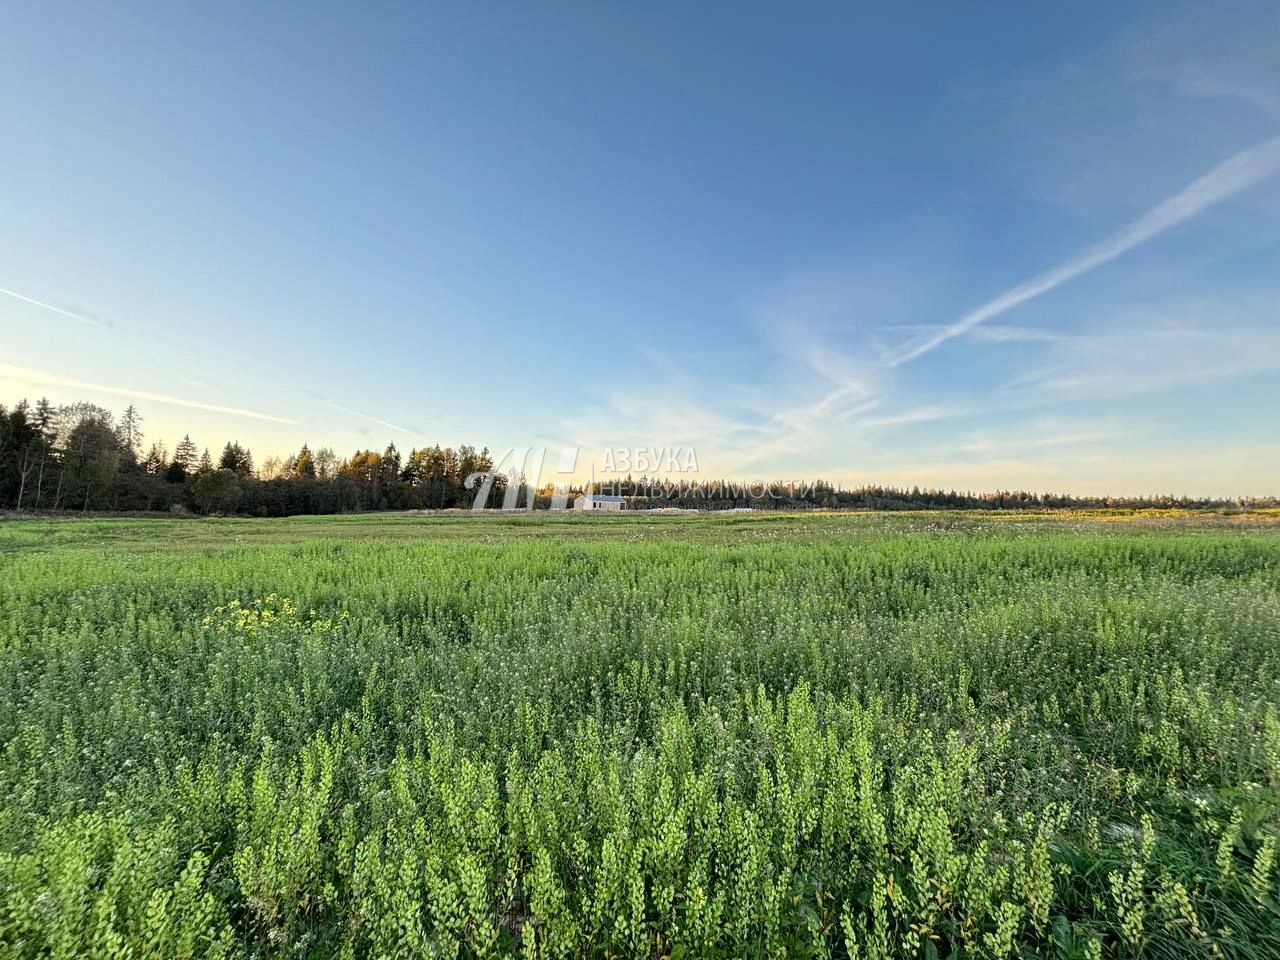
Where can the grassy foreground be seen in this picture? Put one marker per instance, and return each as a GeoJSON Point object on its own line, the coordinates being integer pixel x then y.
{"type": "Point", "coordinates": [750, 736]}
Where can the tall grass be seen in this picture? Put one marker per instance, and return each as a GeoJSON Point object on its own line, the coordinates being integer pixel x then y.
{"type": "Point", "coordinates": [997, 743]}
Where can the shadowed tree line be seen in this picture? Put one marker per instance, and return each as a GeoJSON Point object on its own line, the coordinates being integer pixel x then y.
{"type": "Point", "coordinates": [82, 457]}
{"type": "Point", "coordinates": [726, 494]}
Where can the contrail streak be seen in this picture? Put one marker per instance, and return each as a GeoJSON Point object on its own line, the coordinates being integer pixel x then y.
{"type": "Point", "coordinates": [39, 378]}
{"type": "Point", "coordinates": [49, 306]}
{"type": "Point", "coordinates": [1225, 180]}
{"type": "Point", "coordinates": [383, 423]}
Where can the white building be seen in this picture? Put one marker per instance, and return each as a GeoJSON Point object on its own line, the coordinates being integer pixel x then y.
{"type": "Point", "coordinates": [594, 501]}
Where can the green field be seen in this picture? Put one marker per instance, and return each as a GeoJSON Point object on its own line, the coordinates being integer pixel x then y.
{"type": "Point", "coordinates": [749, 736]}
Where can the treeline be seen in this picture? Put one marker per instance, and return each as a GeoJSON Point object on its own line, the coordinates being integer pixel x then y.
{"type": "Point", "coordinates": [81, 457]}
{"type": "Point", "coordinates": [722, 494]}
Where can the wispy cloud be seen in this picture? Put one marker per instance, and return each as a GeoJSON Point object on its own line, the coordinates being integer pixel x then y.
{"type": "Point", "coordinates": [382, 423]}
{"type": "Point", "coordinates": [1203, 84]}
{"type": "Point", "coordinates": [1050, 434]}
{"type": "Point", "coordinates": [83, 318]}
{"type": "Point", "coordinates": [1124, 358]}
{"type": "Point", "coordinates": [989, 333]}
{"type": "Point", "coordinates": [42, 379]}
{"type": "Point", "coordinates": [1233, 175]}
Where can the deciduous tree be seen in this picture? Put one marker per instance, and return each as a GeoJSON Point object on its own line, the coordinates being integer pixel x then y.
{"type": "Point", "coordinates": [216, 490]}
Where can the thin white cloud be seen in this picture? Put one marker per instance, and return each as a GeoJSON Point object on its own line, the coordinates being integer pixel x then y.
{"type": "Point", "coordinates": [42, 379]}
{"type": "Point", "coordinates": [49, 306]}
{"type": "Point", "coordinates": [1263, 98]}
{"type": "Point", "coordinates": [1125, 358]}
{"type": "Point", "coordinates": [840, 403]}
{"type": "Point", "coordinates": [365, 416]}
{"type": "Point", "coordinates": [911, 416]}
{"type": "Point", "coordinates": [1233, 175]}
{"type": "Point", "coordinates": [990, 333]}
{"type": "Point", "coordinates": [1048, 435]}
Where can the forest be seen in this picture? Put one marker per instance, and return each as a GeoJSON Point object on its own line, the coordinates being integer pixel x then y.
{"type": "Point", "coordinates": [82, 457]}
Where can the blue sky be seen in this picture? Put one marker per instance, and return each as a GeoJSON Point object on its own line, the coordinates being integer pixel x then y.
{"type": "Point", "coordinates": [1037, 247]}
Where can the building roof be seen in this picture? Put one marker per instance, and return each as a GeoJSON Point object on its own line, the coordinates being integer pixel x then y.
{"type": "Point", "coordinates": [604, 499]}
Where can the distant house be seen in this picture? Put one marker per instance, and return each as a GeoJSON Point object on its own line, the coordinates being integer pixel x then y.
{"type": "Point", "coordinates": [594, 501]}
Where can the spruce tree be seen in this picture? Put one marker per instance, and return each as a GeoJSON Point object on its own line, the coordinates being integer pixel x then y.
{"type": "Point", "coordinates": [184, 457]}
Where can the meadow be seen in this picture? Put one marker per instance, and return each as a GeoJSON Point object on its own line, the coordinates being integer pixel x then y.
{"type": "Point", "coordinates": [873, 736]}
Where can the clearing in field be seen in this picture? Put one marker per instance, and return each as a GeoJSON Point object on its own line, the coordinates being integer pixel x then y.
{"type": "Point", "coordinates": [756, 736]}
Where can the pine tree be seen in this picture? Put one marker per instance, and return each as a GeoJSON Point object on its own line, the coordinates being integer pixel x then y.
{"type": "Point", "coordinates": [303, 464]}
{"type": "Point", "coordinates": [45, 417]}
{"type": "Point", "coordinates": [157, 459]}
{"type": "Point", "coordinates": [236, 458]}
{"type": "Point", "coordinates": [389, 465]}
{"type": "Point", "coordinates": [130, 431]}
{"type": "Point", "coordinates": [185, 455]}
{"type": "Point", "coordinates": [24, 440]}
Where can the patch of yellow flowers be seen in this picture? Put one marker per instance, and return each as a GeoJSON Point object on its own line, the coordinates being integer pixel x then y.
{"type": "Point", "coordinates": [261, 615]}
